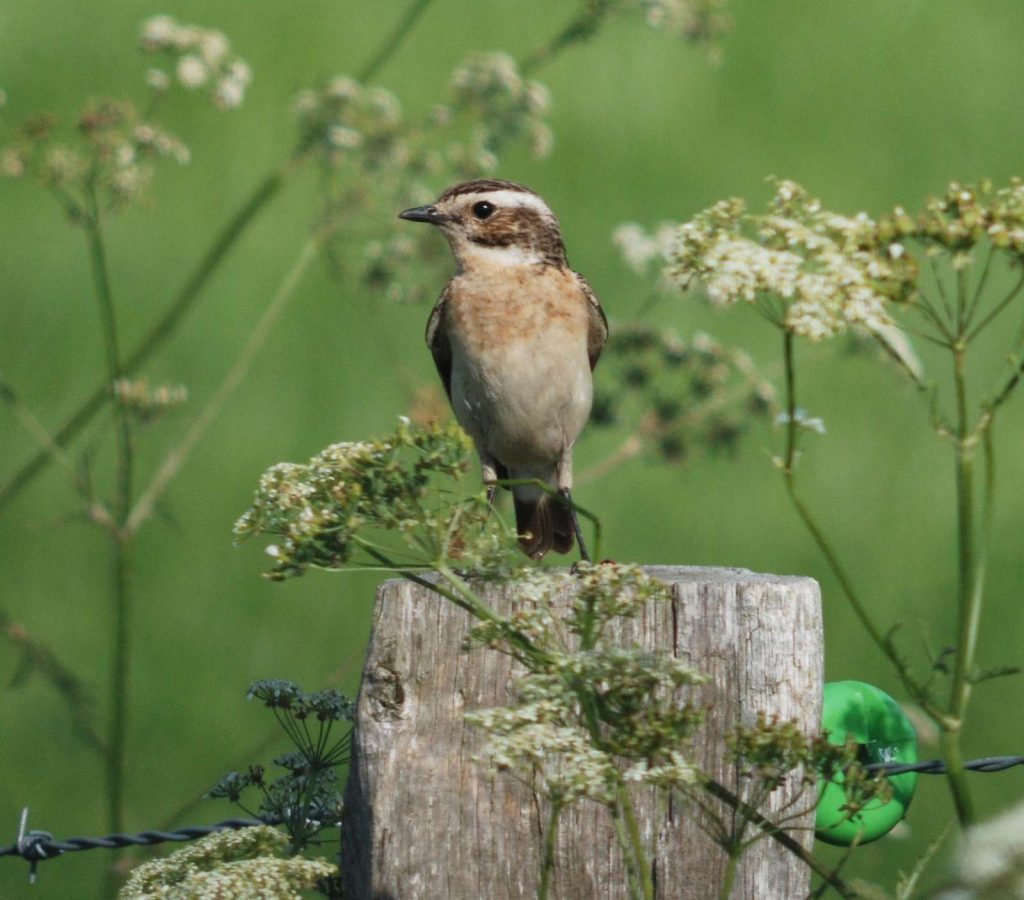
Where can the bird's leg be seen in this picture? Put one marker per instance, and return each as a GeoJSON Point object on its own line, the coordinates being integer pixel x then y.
{"type": "Point", "coordinates": [564, 474]}
{"type": "Point", "coordinates": [490, 478]}
{"type": "Point", "coordinates": [567, 497]}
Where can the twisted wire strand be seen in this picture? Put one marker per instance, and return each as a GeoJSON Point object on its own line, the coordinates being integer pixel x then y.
{"type": "Point", "coordinates": [937, 767]}
{"type": "Point", "coordinates": [38, 845]}
{"type": "Point", "coordinates": [35, 846]}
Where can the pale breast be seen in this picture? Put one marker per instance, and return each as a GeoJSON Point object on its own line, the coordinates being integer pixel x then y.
{"type": "Point", "coordinates": [520, 373]}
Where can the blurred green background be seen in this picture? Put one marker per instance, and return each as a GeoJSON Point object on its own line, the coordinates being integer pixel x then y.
{"type": "Point", "coordinates": [868, 104]}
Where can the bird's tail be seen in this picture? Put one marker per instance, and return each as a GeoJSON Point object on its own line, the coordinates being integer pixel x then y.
{"type": "Point", "coordinates": [542, 521]}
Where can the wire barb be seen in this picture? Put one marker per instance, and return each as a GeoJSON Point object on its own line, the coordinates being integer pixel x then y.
{"type": "Point", "coordinates": [34, 846]}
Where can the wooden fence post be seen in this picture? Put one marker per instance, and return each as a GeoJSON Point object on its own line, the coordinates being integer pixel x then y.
{"type": "Point", "coordinates": [423, 820]}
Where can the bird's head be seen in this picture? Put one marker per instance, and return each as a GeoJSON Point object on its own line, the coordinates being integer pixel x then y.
{"type": "Point", "coordinates": [490, 223]}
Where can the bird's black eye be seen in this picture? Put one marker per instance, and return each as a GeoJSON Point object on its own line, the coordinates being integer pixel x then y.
{"type": "Point", "coordinates": [483, 209]}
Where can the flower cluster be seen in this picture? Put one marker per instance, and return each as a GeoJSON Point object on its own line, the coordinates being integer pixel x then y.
{"type": "Point", "coordinates": [989, 862]}
{"type": "Point", "coordinates": [108, 163]}
{"type": "Point", "coordinates": [149, 403]}
{"type": "Point", "coordinates": [354, 125]}
{"type": "Point", "coordinates": [772, 754]}
{"type": "Point", "coordinates": [200, 58]}
{"type": "Point", "coordinates": [965, 216]}
{"type": "Point", "coordinates": [307, 797]}
{"type": "Point", "coordinates": [703, 21]}
{"type": "Point", "coordinates": [829, 271]}
{"type": "Point", "coordinates": [330, 508]}
{"type": "Point", "coordinates": [676, 395]}
{"type": "Point", "coordinates": [646, 253]}
{"type": "Point", "coordinates": [772, 750]}
{"type": "Point", "coordinates": [346, 121]}
{"type": "Point", "coordinates": [505, 104]}
{"type": "Point", "coordinates": [816, 272]}
{"type": "Point", "coordinates": [590, 716]}
{"type": "Point", "coordinates": [243, 863]}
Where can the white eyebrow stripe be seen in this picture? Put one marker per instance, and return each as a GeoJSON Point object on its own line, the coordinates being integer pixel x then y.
{"type": "Point", "coordinates": [506, 199]}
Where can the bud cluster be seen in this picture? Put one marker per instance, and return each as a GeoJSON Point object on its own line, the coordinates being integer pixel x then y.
{"type": "Point", "coordinates": [110, 155]}
{"type": "Point", "coordinates": [149, 403]}
{"type": "Point", "coordinates": [680, 395]}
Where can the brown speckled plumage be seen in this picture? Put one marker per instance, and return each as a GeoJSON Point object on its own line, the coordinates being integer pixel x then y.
{"type": "Point", "coordinates": [515, 336]}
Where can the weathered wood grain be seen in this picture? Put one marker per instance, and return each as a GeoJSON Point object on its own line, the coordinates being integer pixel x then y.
{"type": "Point", "coordinates": [424, 821]}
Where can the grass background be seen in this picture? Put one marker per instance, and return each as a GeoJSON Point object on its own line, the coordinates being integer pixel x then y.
{"type": "Point", "coordinates": [868, 104]}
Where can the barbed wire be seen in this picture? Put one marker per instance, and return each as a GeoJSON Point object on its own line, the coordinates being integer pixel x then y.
{"type": "Point", "coordinates": [938, 767]}
{"type": "Point", "coordinates": [35, 846]}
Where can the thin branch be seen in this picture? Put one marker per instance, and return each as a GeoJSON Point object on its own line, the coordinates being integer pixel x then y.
{"type": "Point", "coordinates": [115, 368]}
{"type": "Point", "coordinates": [175, 459]}
{"type": "Point", "coordinates": [980, 287]}
{"type": "Point", "coordinates": [940, 285]}
{"type": "Point", "coordinates": [583, 27]}
{"type": "Point", "coordinates": [970, 593]}
{"type": "Point", "coordinates": [94, 509]}
{"type": "Point", "coordinates": [778, 835]}
{"type": "Point", "coordinates": [914, 688]}
{"type": "Point", "coordinates": [167, 324]}
{"type": "Point", "coordinates": [901, 361]}
{"type": "Point", "coordinates": [997, 309]}
{"type": "Point", "coordinates": [393, 41]}
{"type": "Point", "coordinates": [923, 305]}
{"type": "Point", "coordinates": [65, 682]}
{"type": "Point", "coordinates": [121, 613]}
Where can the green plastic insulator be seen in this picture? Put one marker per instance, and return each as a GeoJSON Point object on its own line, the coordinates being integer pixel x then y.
{"type": "Point", "coordinates": [861, 712]}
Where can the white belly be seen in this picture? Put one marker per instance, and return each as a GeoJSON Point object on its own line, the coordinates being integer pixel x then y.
{"type": "Point", "coordinates": [526, 401]}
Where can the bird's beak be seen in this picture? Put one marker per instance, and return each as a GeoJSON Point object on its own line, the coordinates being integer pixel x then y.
{"type": "Point", "coordinates": [424, 214]}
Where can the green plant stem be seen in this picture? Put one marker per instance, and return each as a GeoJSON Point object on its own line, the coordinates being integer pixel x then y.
{"type": "Point", "coordinates": [175, 459]}
{"type": "Point", "coordinates": [168, 323]}
{"type": "Point", "coordinates": [729, 879]}
{"type": "Point", "coordinates": [719, 791]}
{"type": "Point", "coordinates": [970, 590]}
{"type": "Point", "coordinates": [37, 657]}
{"type": "Point", "coordinates": [979, 289]}
{"type": "Point", "coordinates": [456, 591]}
{"type": "Point", "coordinates": [115, 370]}
{"type": "Point", "coordinates": [115, 758]}
{"type": "Point", "coordinates": [581, 28]}
{"type": "Point", "coordinates": [632, 876]}
{"type": "Point", "coordinates": [394, 40]}
{"type": "Point", "coordinates": [547, 865]}
{"type": "Point", "coordinates": [116, 743]}
{"type": "Point", "coordinates": [636, 843]}
{"type": "Point", "coordinates": [996, 310]}
{"type": "Point", "coordinates": [94, 509]}
{"type": "Point", "coordinates": [915, 689]}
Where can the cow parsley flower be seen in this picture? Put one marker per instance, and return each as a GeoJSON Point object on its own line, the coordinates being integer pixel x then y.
{"type": "Point", "coordinates": [830, 271]}
{"type": "Point", "coordinates": [199, 57]}
{"type": "Point", "coordinates": [243, 863]}
{"type": "Point", "coordinates": [490, 86]}
{"type": "Point", "coordinates": [990, 859]}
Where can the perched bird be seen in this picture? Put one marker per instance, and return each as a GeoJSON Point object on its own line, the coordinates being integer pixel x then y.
{"type": "Point", "coordinates": [515, 336]}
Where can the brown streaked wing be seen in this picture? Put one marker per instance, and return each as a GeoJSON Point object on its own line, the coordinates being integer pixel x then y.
{"type": "Point", "coordinates": [597, 333]}
{"type": "Point", "coordinates": [437, 340]}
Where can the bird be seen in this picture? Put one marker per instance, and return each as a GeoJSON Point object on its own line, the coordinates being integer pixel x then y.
{"type": "Point", "coordinates": [515, 336]}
